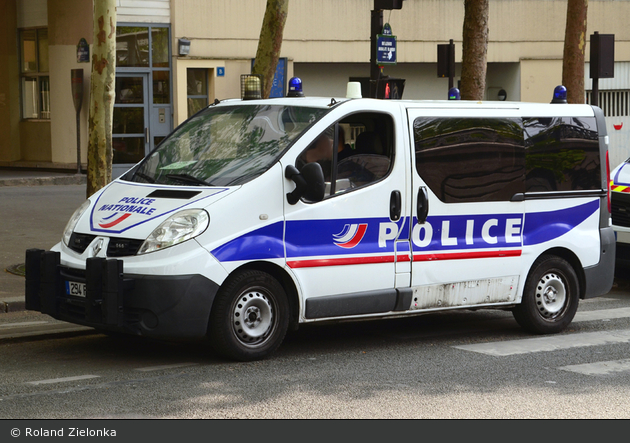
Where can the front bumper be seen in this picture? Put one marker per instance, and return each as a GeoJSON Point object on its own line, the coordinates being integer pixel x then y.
{"type": "Point", "coordinates": [148, 305]}
{"type": "Point", "coordinates": [599, 278]}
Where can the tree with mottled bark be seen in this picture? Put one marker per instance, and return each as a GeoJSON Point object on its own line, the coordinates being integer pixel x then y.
{"type": "Point", "coordinates": [574, 49]}
{"type": "Point", "coordinates": [270, 43]}
{"type": "Point", "coordinates": [474, 50]}
{"type": "Point", "coordinates": [102, 94]}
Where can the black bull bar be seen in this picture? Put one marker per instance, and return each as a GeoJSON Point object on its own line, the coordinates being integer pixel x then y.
{"type": "Point", "coordinates": [105, 287]}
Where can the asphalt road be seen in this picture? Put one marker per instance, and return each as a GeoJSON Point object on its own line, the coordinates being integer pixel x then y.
{"type": "Point", "coordinates": [462, 365]}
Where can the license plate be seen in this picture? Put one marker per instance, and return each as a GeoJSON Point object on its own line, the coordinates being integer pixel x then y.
{"type": "Point", "coordinates": [75, 288]}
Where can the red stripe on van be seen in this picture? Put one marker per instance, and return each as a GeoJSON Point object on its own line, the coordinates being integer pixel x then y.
{"type": "Point", "coordinates": [467, 255]}
{"type": "Point", "coordinates": [340, 261]}
{"type": "Point", "coordinates": [344, 261]}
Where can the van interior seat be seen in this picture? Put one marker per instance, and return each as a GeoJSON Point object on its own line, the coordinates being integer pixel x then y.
{"type": "Point", "coordinates": [369, 143]}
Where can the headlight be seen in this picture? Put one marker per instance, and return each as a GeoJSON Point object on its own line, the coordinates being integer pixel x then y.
{"type": "Point", "coordinates": [72, 223]}
{"type": "Point", "coordinates": [178, 228]}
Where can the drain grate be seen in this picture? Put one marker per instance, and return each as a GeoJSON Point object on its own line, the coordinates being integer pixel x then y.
{"type": "Point", "coordinates": [19, 269]}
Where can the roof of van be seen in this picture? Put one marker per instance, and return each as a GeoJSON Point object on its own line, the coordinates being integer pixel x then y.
{"type": "Point", "coordinates": [526, 108]}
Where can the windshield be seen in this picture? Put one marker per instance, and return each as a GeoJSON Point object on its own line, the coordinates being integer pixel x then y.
{"type": "Point", "coordinates": [226, 145]}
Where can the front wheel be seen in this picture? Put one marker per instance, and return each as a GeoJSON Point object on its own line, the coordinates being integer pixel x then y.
{"type": "Point", "coordinates": [551, 295]}
{"type": "Point", "coordinates": [250, 316]}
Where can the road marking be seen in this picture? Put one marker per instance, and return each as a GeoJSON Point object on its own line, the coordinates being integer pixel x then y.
{"type": "Point", "coordinates": [158, 368]}
{"type": "Point", "coordinates": [93, 387]}
{"type": "Point", "coordinates": [549, 343]}
{"type": "Point", "coordinates": [602, 314]}
{"type": "Point", "coordinates": [600, 368]}
{"type": "Point", "coordinates": [62, 380]}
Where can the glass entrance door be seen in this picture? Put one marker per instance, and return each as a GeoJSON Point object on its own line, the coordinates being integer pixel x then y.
{"type": "Point", "coordinates": [130, 129]}
{"type": "Point", "coordinates": [143, 112]}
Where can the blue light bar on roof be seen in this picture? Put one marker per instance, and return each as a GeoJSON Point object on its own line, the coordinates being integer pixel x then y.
{"type": "Point", "coordinates": [559, 94]}
{"type": "Point", "coordinates": [295, 87]}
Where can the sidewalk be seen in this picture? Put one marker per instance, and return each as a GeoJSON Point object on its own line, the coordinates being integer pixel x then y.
{"type": "Point", "coordinates": [40, 213]}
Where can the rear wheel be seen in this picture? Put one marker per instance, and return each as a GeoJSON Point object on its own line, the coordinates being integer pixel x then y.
{"type": "Point", "coordinates": [551, 295]}
{"type": "Point", "coordinates": [249, 317]}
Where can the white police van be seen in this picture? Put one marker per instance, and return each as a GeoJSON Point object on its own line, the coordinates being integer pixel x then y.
{"type": "Point", "coordinates": [620, 204]}
{"type": "Point", "coordinates": [255, 216]}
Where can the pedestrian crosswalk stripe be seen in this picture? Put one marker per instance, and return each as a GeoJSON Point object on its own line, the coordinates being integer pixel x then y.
{"type": "Point", "coordinates": [549, 343]}
{"type": "Point", "coordinates": [162, 367]}
{"type": "Point", "coordinates": [62, 380]}
{"type": "Point", "coordinates": [600, 368]}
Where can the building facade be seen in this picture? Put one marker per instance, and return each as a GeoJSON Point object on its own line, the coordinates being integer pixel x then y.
{"type": "Point", "coordinates": [326, 43]}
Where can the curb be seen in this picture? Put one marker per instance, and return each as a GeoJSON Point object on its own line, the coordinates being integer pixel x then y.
{"type": "Point", "coordinates": [12, 306]}
{"type": "Point", "coordinates": [43, 181]}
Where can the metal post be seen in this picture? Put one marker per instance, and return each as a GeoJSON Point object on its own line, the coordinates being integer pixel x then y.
{"type": "Point", "coordinates": [76, 77]}
{"type": "Point", "coordinates": [451, 63]}
{"type": "Point", "coordinates": [376, 28]}
{"type": "Point", "coordinates": [595, 92]}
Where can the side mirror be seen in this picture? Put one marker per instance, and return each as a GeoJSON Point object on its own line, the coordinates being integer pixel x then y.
{"type": "Point", "coordinates": [309, 183]}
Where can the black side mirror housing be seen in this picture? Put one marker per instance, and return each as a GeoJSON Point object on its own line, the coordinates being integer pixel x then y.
{"type": "Point", "coordinates": [309, 183]}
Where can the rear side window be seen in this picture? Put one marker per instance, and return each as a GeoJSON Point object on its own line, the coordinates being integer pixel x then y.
{"type": "Point", "coordinates": [562, 154]}
{"type": "Point", "coordinates": [492, 159]}
{"type": "Point", "coordinates": [471, 159]}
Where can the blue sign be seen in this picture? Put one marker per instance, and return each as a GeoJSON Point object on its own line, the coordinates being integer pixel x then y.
{"type": "Point", "coordinates": [221, 71]}
{"type": "Point", "coordinates": [83, 51]}
{"type": "Point", "coordinates": [385, 49]}
{"type": "Point", "coordinates": [279, 79]}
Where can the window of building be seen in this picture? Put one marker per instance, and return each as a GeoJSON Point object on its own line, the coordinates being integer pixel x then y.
{"type": "Point", "coordinates": [197, 89]}
{"type": "Point", "coordinates": [35, 82]}
{"type": "Point", "coordinates": [146, 48]}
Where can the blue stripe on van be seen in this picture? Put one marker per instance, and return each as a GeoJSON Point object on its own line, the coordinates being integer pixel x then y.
{"type": "Point", "coordinates": [261, 244]}
{"type": "Point", "coordinates": [359, 237]}
{"type": "Point", "coordinates": [541, 227]}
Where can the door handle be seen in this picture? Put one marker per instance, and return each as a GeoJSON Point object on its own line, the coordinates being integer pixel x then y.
{"type": "Point", "coordinates": [395, 203]}
{"type": "Point", "coordinates": [423, 205]}
{"type": "Point", "coordinates": [146, 135]}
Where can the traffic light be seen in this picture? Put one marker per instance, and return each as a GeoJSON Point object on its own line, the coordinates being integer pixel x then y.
{"type": "Point", "coordinates": [387, 4]}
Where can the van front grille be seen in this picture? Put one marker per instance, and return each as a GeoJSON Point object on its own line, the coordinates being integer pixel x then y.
{"type": "Point", "coordinates": [620, 208]}
{"type": "Point", "coordinates": [123, 247]}
{"type": "Point", "coordinates": [80, 242]}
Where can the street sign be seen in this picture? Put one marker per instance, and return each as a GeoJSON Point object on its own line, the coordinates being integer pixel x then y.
{"type": "Point", "coordinates": [385, 49]}
{"type": "Point", "coordinates": [83, 51]}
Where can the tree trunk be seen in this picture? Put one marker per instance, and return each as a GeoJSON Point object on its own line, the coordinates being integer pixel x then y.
{"type": "Point", "coordinates": [270, 42]}
{"type": "Point", "coordinates": [102, 94]}
{"type": "Point", "coordinates": [574, 49]}
{"type": "Point", "coordinates": [474, 49]}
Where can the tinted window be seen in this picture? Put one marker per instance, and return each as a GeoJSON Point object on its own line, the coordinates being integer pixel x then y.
{"type": "Point", "coordinates": [562, 154]}
{"type": "Point", "coordinates": [470, 159]}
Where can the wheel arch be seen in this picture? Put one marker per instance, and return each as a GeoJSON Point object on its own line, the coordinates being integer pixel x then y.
{"type": "Point", "coordinates": [572, 259]}
{"type": "Point", "coordinates": [285, 281]}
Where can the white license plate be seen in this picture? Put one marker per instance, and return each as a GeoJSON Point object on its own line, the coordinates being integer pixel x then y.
{"type": "Point", "coordinates": [75, 288]}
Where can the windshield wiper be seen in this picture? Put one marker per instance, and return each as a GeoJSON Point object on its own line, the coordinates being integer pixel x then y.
{"type": "Point", "coordinates": [187, 178]}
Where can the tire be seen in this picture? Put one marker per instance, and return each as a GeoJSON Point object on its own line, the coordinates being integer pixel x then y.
{"type": "Point", "coordinates": [550, 298]}
{"type": "Point", "coordinates": [249, 317]}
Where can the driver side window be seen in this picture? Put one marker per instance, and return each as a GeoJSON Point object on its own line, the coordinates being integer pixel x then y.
{"type": "Point", "coordinates": [355, 152]}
